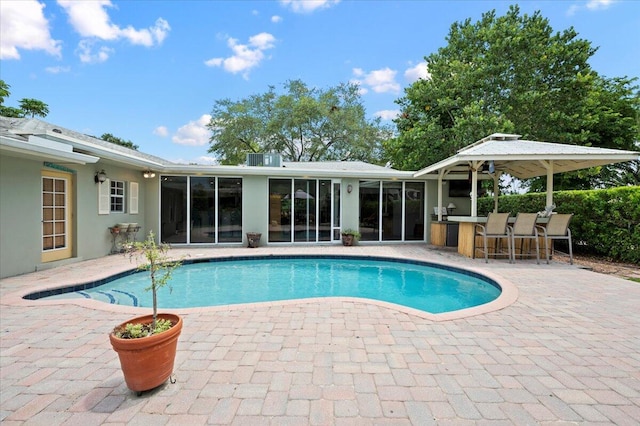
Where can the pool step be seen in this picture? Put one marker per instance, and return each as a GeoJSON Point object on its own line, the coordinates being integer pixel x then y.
{"type": "Point", "coordinates": [112, 297]}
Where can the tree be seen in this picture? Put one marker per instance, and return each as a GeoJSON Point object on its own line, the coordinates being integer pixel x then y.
{"type": "Point", "coordinates": [118, 141]}
{"type": "Point", "coordinates": [303, 124]}
{"type": "Point", "coordinates": [4, 91]}
{"type": "Point", "coordinates": [34, 107]}
{"type": "Point", "coordinates": [511, 74]}
{"type": "Point", "coordinates": [6, 111]}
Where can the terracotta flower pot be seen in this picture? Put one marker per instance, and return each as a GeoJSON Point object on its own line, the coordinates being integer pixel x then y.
{"type": "Point", "coordinates": [147, 362]}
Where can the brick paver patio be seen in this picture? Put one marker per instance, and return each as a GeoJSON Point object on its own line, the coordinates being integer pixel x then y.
{"type": "Point", "coordinates": [566, 351]}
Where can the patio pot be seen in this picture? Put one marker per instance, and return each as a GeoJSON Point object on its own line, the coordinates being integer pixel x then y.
{"type": "Point", "coordinates": [253, 239]}
{"type": "Point", "coordinates": [147, 362]}
{"type": "Point", "coordinates": [348, 239]}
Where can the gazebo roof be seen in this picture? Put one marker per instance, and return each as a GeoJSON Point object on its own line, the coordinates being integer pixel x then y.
{"type": "Point", "coordinates": [525, 159]}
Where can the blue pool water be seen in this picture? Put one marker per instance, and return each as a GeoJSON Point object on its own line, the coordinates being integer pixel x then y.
{"type": "Point", "coordinates": [213, 283]}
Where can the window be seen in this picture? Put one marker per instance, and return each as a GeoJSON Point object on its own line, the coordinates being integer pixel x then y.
{"type": "Point", "coordinates": [117, 196]}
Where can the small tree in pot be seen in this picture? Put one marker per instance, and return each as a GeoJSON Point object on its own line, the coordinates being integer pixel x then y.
{"type": "Point", "coordinates": [147, 345]}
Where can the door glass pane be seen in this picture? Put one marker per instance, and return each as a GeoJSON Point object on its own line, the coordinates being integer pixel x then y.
{"type": "Point", "coordinates": [280, 207]}
{"type": "Point", "coordinates": [336, 211]}
{"type": "Point", "coordinates": [59, 241]}
{"type": "Point", "coordinates": [47, 243]}
{"type": "Point", "coordinates": [59, 227]}
{"type": "Point", "coordinates": [304, 209]}
{"type": "Point", "coordinates": [47, 214]}
{"type": "Point", "coordinates": [229, 210]}
{"type": "Point", "coordinates": [324, 211]}
{"type": "Point", "coordinates": [369, 210]}
{"type": "Point", "coordinates": [203, 193]}
{"type": "Point", "coordinates": [414, 211]}
{"type": "Point", "coordinates": [47, 228]}
{"type": "Point", "coordinates": [47, 185]}
{"type": "Point", "coordinates": [173, 209]}
{"type": "Point", "coordinates": [392, 211]}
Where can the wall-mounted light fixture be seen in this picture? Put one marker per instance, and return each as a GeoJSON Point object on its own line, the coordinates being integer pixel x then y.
{"type": "Point", "coordinates": [349, 188]}
{"type": "Point", "coordinates": [100, 177]}
{"type": "Point", "coordinates": [148, 174]}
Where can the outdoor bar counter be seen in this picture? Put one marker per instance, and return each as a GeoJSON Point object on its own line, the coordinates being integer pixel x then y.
{"type": "Point", "coordinates": [466, 231]}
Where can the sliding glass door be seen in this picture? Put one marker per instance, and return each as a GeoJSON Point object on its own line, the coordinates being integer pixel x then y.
{"type": "Point", "coordinates": [392, 211]}
{"type": "Point", "coordinates": [301, 210]}
{"type": "Point", "coordinates": [197, 209]}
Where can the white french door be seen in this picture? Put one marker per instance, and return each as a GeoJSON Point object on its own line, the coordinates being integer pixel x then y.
{"type": "Point", "coordinates": [56, 215]}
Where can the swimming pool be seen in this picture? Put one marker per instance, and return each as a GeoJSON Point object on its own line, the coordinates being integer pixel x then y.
{"type": "Point", "coordinates": [215, 282]}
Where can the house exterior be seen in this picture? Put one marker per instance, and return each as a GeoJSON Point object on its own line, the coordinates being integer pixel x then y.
{"type": "Point", "coordinates": [62, 193]}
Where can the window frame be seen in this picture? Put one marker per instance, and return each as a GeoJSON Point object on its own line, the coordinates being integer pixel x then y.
{"type": "Point", "coordinates": [114, 197]}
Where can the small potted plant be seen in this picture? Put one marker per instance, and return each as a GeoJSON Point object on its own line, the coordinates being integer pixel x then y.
{"type": "Point", "coordinates": [146, 345]}
{"type": "Point", "coordinates": [350, 236]}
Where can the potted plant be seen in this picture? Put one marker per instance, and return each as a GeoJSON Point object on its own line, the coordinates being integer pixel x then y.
{"type": "Point", "coordinates": [146, 345]}
{"type": "Point", "coordinates": [253, 239]}
{"type": "Point", "coordinates": [350, 236]}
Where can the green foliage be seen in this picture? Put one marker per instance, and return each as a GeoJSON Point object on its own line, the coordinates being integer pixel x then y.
{"type": "Point", "coordinates": [4, 91]}
{"type": "Point", "coordinates": [303, 124]}
{"type": "Point", "coordinates": [606, 222]}
{"type": "Point", "coordinates": [11, 112]}
{"type": "Point", "coordinates": [28, 106]}
{"type": "Point", "coordinates": [34, 107]}
{"type": "Point", "coordinates": [108, 137]}
{"type": "Point", "coordinates": [136, 331]}
{"type": "Point", "coordinates": [158, 263]}
{"type": "Point", "coordinates": [513, 74]}
{"type": "Point", "coordinates": [354, 232]}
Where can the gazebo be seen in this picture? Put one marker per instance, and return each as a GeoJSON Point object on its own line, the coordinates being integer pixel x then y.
{"type": "Point", "coordinates": [502, 153]}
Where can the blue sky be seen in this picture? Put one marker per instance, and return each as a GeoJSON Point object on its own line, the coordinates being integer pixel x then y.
{"type": "Point", "coordinates": [151, 71]}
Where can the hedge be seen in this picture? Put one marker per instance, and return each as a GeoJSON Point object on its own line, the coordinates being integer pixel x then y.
{"type": "Point", "coordinates": [606, 222]}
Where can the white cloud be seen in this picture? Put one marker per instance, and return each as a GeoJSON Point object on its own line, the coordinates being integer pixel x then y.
{"type": "Point", "coordinates": [308, 6]}
{"type": "Point", "coordinates": [276, 19]}
{"type": "Point", "coordinates": [599, 4]}
{"type": "Point", "coordinates": [23, 26]}
{"type": "Point", "coordinates": [89, 55]}
{"type": "Point", "coordinates": [194, 133]}
{"type": "Point", "coordinates": [57, 70]}
{"type": "Point", "coordinates": [387, 114]}
{"type": "Point", "coordinates": [245, 56]}
{"type": "Point", "coordinates": [205, 159]}
{"type": "Point", "coordinates": [380, 81]}
{"type": "Point", "coordinates": [91, 20]}
{"type": "Point", "coordinates": [417, 72]}
{"type": "Point", "coordinates": [592, 5]}
{"type": "Point", "coordinates": [161, 131]}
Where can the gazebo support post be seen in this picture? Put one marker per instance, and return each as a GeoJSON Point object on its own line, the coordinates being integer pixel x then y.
{"type": "Point", "coordinates": [496, 190]}
{"type": "Point", "coordinates": [548, 165]}
{"type": "Point", "coordinates": [441, 174]}
{"type": "Point", "coordinates": [474, 187]}
{"type": "Point", "coordinates": [550, 184]}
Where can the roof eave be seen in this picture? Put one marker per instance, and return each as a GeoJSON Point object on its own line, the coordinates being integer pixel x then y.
{"type": "Point", "coordinates": [24, 150]}
{"type": "Point", "coordinates": [102, 152]}
{"type": "Point", "coordinates": [283, 171]}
